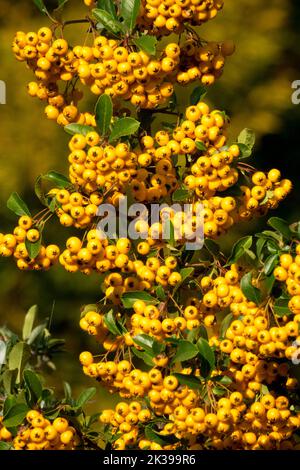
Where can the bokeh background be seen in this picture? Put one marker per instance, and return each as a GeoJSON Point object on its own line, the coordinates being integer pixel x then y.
{"type": "Point", "coordinates": [255, 90]}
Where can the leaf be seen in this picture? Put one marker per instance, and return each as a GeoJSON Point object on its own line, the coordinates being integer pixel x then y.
{"type": "Point", "coordinates": [33, 248]}
{"type": "Point", "coordinates": [160, 293]}
{"type": "Point", "coordinates": [67, 390]}
{"type": "Point", "coordinates": [18, 357]}
{"type": "Point", "coordinates": [8, 379]}
{"type": "Point", "coordinates": [104, 111]}
{"type": "Point", "coordinates": [147, 44]}
{"type": "Point", "coordinates": [74, 128]}
{"type": "Point", "coordinates": [5, 445]}
{"type": "Point", "coordinates": [186, 273]}
{"type": "Point", "coordinates": [35, 333]}
{"type": "Point", "coordinates": [15, 415]}
{"type": "Point", "coordinates": [149, 344]}
{"type": "Point", "coordinates": [206, 352]}
{"type": "Point", "coordinates": [197, 94]}
{"type": "Point", "coordinates": [169, 232]}
{"type": "Point", "coordinates": [61, 4]}
{"type": "Point", "coordinates": [40, 5]}
{"type": "Point", "coordinates": [203, 332]}
{"type": "Point", "coordinates": [281, 226]}
{"type": "Point", "coordinates": [281, 307]}
{"type": "Point", "coordinates": [180, 195]}
{"type": "Point", "coordinates": [154, 436]}
{"type": "Point", "coordinates": [38, 189]}
{"type": "Point", "coordinates": [34, 386]}
{"type": "Point", "coordinates": [225, 325]}
{"type": "Point", "coordinates": [29, 322]}
{"type": "Point", "coordinates": [107, 21]}
{"type": "Point", "coordinates": [222, 379]}
{"type": "Point", "coordinates": [180, 163]}
{"type": "Point", "coordinates": [147, 358]}
{"type": "Point", "coordinates": [270, 264]}
{"type": "Point", "coordinates": [16, 204]}
{"type": "Point", "coordinates": [129, 12]}
{"type": "Point", "coordinates": [123, 127]}
{"type": "Point", "coordinates": [247, 137]}
{"type": "Point", "coordinates": [189, 380]}
{"type": "Point", "coordinates": [111, 324]}
{"type": "Point", "coordinates": [200, 146]}
{"type": "Point", "coordinates": [60, 180]}
{"type": "Point", "coordinates": [2, 353]}
{"type": "Point", "coordinates": [245, 151]}
{"type": "Point", "coordinates": [109, 6]}
{"type": "Point", "coordinates": [129, 298]}
{"type": "Point", "coordinates": [239, 249]}
{"type": "Point", "coordinates": [212, 247]}
{"type": "Point", "coordinates": [252, 293]}
{"type": "Point", "coordinates": [185, 351]}
{"type": "Point", "coordinates": [85, 396]}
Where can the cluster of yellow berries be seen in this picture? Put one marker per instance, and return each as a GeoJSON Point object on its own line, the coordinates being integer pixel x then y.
{"type": "Point", "coordinates": [267, 192]}
{"type": "Point", "coordinates": [14, 244]}
{"type": "Point", "coordinates": [288, 272]}
{"type": "Point", "coordinates": [52, 61]}
{"type": "Point", "coordinates": [39, 433]}
{"type": "Point", "coordinates": [163, 18]}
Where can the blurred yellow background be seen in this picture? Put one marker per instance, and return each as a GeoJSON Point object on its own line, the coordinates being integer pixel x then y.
{"type": "Point", "coordinates": [255, 90]}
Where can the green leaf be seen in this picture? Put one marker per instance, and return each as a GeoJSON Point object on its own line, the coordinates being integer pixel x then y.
{"type": "Point", "coordinates": [189, 380]}
{"type": "Point", "coordinates": [212, 247]}
{"type": "Point", "coordinates": [109, 6]}
{"type": "Point", "coordinates": [200, 146]}
{"type": "Point", "coordinates": [104, 111]}
{"type": "Point", "coordinates": [40, 5]}
{"type": "Point", "coordinates": [33, 248]}
{"type": "Point", "coordinates": [85, 396]}
{"type": "Point", "coordinates": [247, 137]}
{"type": "Point", "coordinates": [61, 4]}
{"type": "Point", "coordinates": [35, 333]}
{"type": "Point", "coordinates": [107, 21]}
{"type": "Point", "coordinates": [5, 445]}
{"type": "Point", "coordinates": [160, 293]}
{"type": "Point", "coordinates": [180, 164]}
{"type": "Point", "coordinates": [186, 273]}
{"type": "Point", "coordinates": [158, 438]}
{"type": "Point", "coordinates": [15, 415]}
{"type": "Point", "coordinates": [29, 322]}
{"type": "Point", "coordinates": [180, 195]}
{"type": "Point", "coordinates": [16, 204]}
{"type": "Point", "coordinates": [169, 232]}
{"type": "Point", "coordinates": [185, 351]}
{"type": "Point", "coordinates": [226, 324]}
{"type": "Point", "coordinates": [38, 189]}
{"type": "Point", "coordinates": [74, 128]}
{"type": "Point", "coordinates": [147, 44]}
{"type": "Point", "coordinates": [203, 332]}
{"type": "Point", "coordinates": [111, 324]}
{"type": "Point", "coordinates": [150, 345]}
{"type": "Point", "coordinates": [8, 379]}
{"type": "Point", "coordinates": [123, 127]}
{"type": "Point", "coordinates": [270, 264]}
{"type": "Point", "coordinates": [3, 347]}
{"type": "Point", "coordinates": [252, 293]}
{"type": "Point", "coordinates": [197, 94]}
{"type": "Point", "coordinates": [147, 358]}
{"type": "Point", "coordinates": [129, 298]}
{"type": "Point", "coordinates": [222, 379]}
{"type": "Point", "coordinates": [67, 390]}
{"type": "Point", "coordinates": [34, 386]}
{"type": "Point", "coordinates": [281, 226]}
{"type": "Point", "coordinates": [239, 249]}
{"type": "Point", "coordinates": [281, 307]}
{"type": "Point", "coordinates": [60, 180]}
{"type": "Point", "coordinates": [18, 358]}
{"type": "Point", "coordinates": [129, 12]}
{"type": "Point", "coordinates": [245, 151]}
{"type": "Point", "coordinates": [206, 352]}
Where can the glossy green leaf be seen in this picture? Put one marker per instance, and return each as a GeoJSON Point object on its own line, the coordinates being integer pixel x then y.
{"type": "Point", "coordinates": [150, 345]}
{"type": "Point", "coordinates": [281, 307]}
{"type": "Point", "coordinates": [189, 380]}
{"type": "Point", "coordinates": [85, 396]}
{"type": "Point", "coordinates": [104, 111]}
{"type": "Point", "coordinates": [16, 204]}
{"type": "Point", "coordinates": [108, 21]}
{"type": "Point", "coordinates": [15, 415]}
{"type": "Point", "coordinates": [247, 137]}
{"type": "Point", "coordinates": [34, 386]}
{"type": "Point", "coordinates": [145, 357]}
{"type": "Point", "coordinates": [111, 323]}
{"type": "Point", "coordinates": [129, 298]}
{"type": "Point", "coordinates": [74, 128]}
{"type": "Point", "coordinates": [281, 226]}
{"type": "Point", "coordinates": [147, 44]}
{"type": "Point", "coordinates": [185, 351]}
{"type": "Point", "coordinates": [200, 146]}
{"type": "Point", "coordinates": [239, 249]}
{"type": "Point", "coordinates": [226, 324]}
{"type": "Point", "coordinates": [33, 248]}
{"type": "Point", "coordinates": [129, 12]}
{"type": "Point", "coordinates": [18, 357]}
{"type": "Point", "coordinates": [206, 352]}
{"type": "Point", "coordinates": [197, 94]}
{"type": "Point", "coordinates": [180, 195]}
{"type": "Point", "coordinates": [58, 179]}
{"type": "Point", "coordinates": [109, 6]}
{"type": "Point", "coordinates": [123, 127]}
{"type": "Point", "coordinates": [251, 292]}
{"type": "Point", "coordinates": [270, 263]}
{"type": "Point", "coordinates": [40, 5]}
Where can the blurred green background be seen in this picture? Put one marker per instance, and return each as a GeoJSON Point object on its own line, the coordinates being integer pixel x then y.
{"type": "Point", "coordinates": [255, 90]}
